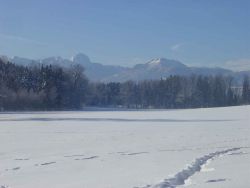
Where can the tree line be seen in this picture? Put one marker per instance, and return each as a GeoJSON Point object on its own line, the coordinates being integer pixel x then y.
{"type": "Point", "coordinates": [50, 87]}
{"type": "Point", "coordinates": [41, 87]}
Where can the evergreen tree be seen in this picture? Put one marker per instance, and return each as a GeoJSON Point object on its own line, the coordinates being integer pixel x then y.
{"type": "Point", "coordinates": [246, 91]}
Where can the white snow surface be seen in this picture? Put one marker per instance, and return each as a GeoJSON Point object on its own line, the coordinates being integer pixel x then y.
{"type": "Point", "coordinates": [126, 149]}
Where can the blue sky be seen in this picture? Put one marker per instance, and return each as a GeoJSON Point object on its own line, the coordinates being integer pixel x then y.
{"type": "Point", "coordinates": [125, 32]}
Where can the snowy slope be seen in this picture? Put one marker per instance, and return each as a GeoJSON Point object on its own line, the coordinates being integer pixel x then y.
{"type": "Point", "coordinates": [199, 147]}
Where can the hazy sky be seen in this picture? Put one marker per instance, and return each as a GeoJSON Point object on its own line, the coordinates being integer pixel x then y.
{"type": "Point", "coordinates": [126, 32]}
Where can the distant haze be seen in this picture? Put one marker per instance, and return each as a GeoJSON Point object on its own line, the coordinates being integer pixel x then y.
{"type": "Point", "coordinates": [153, 69]}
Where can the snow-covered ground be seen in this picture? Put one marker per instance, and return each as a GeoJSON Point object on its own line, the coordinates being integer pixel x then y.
{"type": "Point", "coordinates": [159, 149]}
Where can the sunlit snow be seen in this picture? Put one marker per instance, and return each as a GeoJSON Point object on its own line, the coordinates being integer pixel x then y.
{"type": "Point", "coordinates": [126, 149]}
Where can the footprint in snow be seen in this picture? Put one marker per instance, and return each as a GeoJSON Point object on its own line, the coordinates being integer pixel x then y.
{"type": "Point", "coordinates": [20, 159]}
{"type": "Point", "coordinates": [49, 163]}
{"type": "Point", "coordinates": [77, 155]}
{"type": "Point", "coordinates": [16, 168]}
{"type": "Point", "coordinates": [215, 180]}
{"type": "Point", "coordinates": [135, 153]}
{"type": "Point", "coordinates": [87, 158]}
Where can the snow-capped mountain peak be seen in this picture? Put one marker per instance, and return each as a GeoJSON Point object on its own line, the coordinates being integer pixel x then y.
{"type": "Point", "coordinates": [155, 61]}
{"type": "Point", "coordinates": [166, 63]}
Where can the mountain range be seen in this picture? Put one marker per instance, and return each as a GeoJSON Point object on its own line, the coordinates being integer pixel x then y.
{"type": "Point", "coordinates": [154, 69]}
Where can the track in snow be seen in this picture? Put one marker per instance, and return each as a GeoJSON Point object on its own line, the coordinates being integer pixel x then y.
{"type": "Point", "coordinates": [182, 176]}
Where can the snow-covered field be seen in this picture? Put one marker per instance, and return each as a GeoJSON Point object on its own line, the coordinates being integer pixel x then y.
{"type": "Point", "coordinates": [191, 148]}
